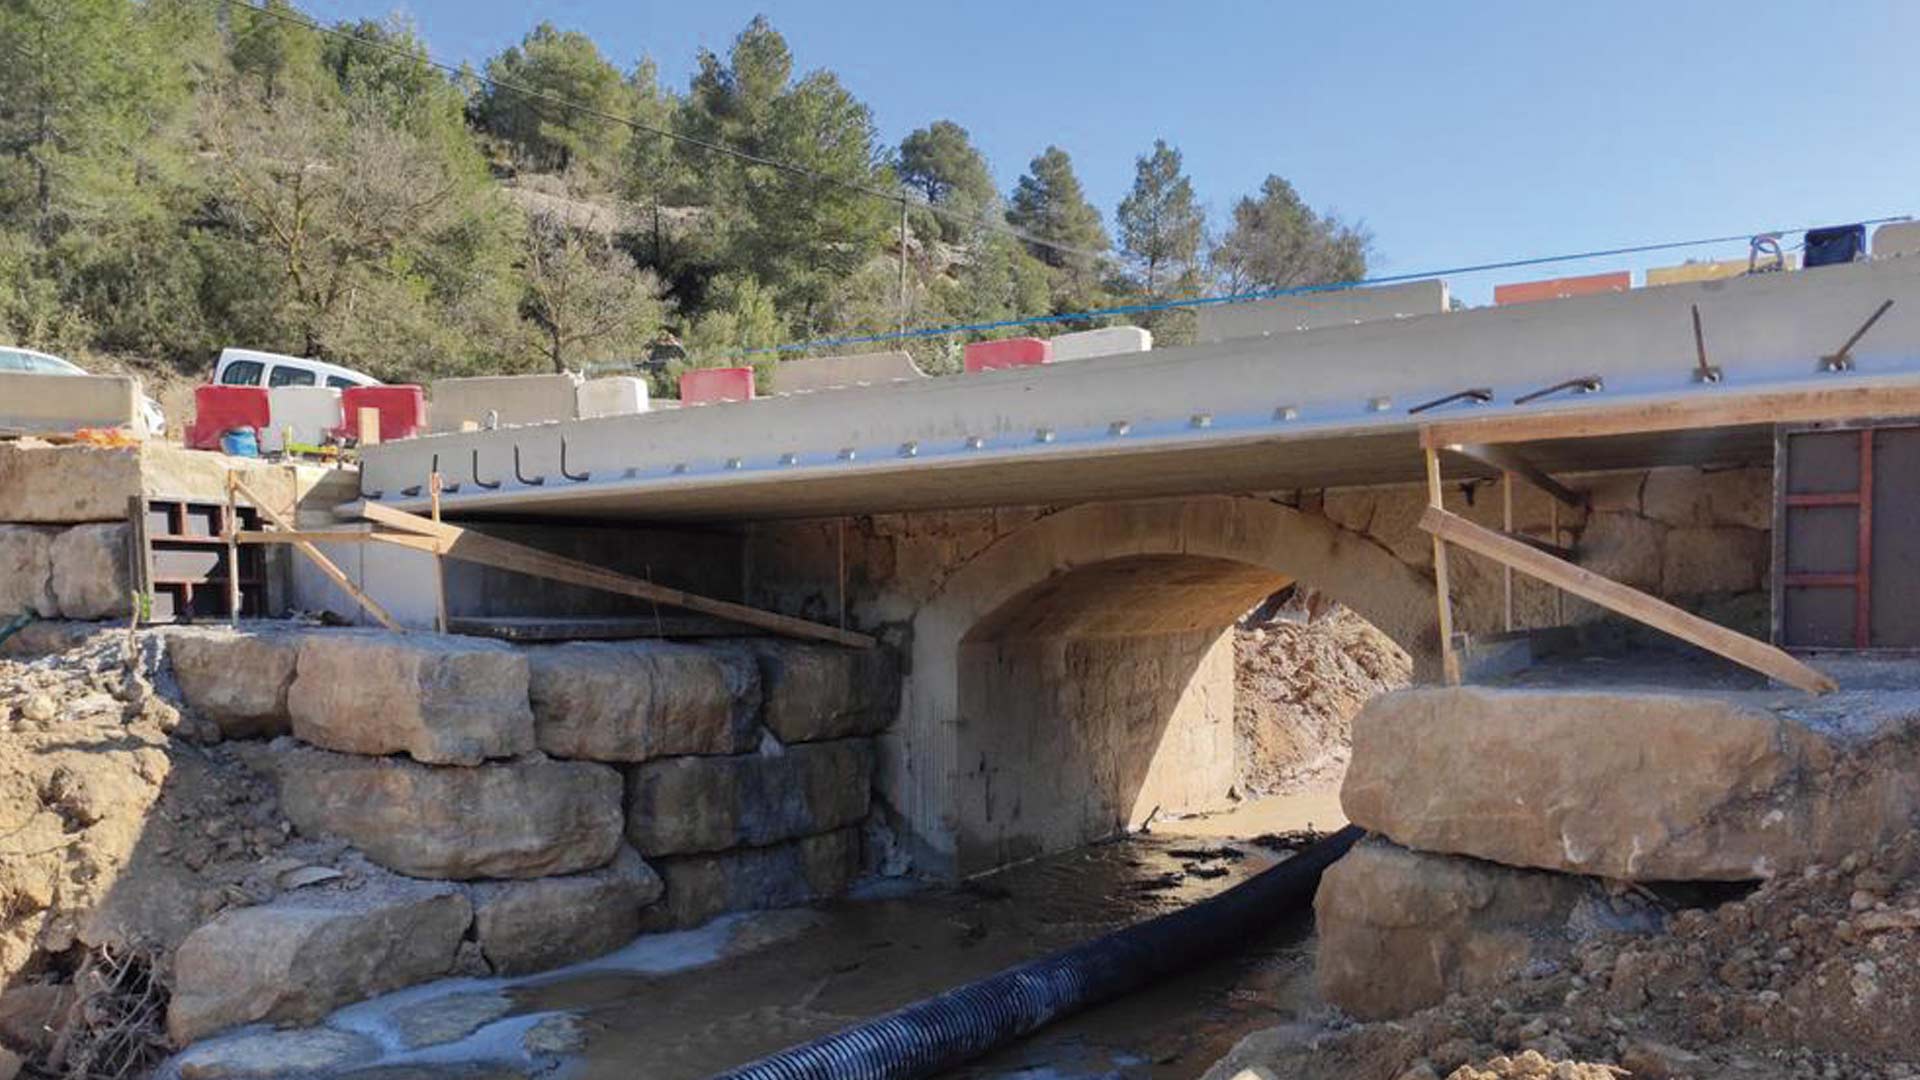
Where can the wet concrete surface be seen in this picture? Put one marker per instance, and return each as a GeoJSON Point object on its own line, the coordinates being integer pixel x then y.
{"type": "Point", "coordinates": [861, 957]}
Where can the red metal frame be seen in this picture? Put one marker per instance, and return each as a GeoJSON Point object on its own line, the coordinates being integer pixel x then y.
{"type": "Point", "coordinates": [1861, 580]}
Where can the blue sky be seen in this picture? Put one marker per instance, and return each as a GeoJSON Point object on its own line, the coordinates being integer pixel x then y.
{"type": "Point", "coordinates": [1460, 133]}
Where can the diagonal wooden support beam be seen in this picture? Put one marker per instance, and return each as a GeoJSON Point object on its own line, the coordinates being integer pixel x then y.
{"type": "Point", "coordinates": [470, 546]}
{"type": "Point", "coordinates": [1509, 460]}
{"type": "Point", "coordinates": [1626, 600]}
{"type": "Point", "coordinates": [305, 547]}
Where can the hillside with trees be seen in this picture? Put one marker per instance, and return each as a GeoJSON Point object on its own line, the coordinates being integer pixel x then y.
{"type": "Point", "coordinates": [181, 175]}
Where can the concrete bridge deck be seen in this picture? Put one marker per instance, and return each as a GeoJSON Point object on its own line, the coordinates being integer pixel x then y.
{"type": "Point", "coordinates": [1323, 407]}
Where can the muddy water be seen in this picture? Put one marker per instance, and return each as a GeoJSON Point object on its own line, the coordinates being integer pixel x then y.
{"type": "Point", "coordinates": [860, 957]}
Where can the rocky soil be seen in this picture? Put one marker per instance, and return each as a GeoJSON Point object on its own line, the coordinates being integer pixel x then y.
{"type": "Point", "coordinates": [121, 829]}
{"type": "Point", "coordinates": [1813, 975]}
{"type": "Point", "coordinates": [1300, 675]}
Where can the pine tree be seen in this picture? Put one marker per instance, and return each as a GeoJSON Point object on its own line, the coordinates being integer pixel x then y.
{"type": "Point", "coordinates": [1277, 242]}
{"type": "Point", "coordinates": [1161, 225]}
{"type": "Point", "coordinates": [520, 105]}
{"type": "Point", "coordinates": [941, 161]}
{"type": "Point", "coordinates": [1065, 232]}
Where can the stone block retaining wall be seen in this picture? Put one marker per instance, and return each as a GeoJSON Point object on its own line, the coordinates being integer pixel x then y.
{"type": "Point", "coordinates": [1510, 824]}
{"type": "Point", "coordinates": [522, 808]}
{"type": "Point", "coordinates": [1697, 537]}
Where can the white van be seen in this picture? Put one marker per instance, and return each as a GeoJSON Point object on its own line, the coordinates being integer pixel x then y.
{"type": "Point", "coordinates": [247, 367]}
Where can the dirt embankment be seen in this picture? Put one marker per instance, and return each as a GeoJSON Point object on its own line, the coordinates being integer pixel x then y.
{"type": "Point", "coordinates": [1300, 674]}
{"type": "Point", "coordinates": [119, 834]}
{"type": "Point", "coordinates": [1815, 975]}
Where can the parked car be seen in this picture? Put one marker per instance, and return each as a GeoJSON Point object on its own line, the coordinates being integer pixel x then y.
{"type": "Point", "coordinates": [250, 367]}
{"type": "Point", "coordinates": [39, 363]}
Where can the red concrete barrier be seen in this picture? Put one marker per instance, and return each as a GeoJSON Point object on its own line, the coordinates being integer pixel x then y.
{"type": "Point", "coordinates": [219, 409]}
{"type": "Point", "coordinates": [1007, 352]}
{"type": "Point", "coordinates": [1525, 292]}
{"type": "Point", "coordinates": [704, 386]}
{"type": "Point", "coordinates": [403, 410]}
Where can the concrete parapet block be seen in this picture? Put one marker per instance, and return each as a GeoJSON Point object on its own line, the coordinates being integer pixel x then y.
{"type": "Point", "coordinates": [1315, 310]}
{"type": "Point", "coordinates": [1630, 784]}
{"type": "Point", "coordinates": [298, 958]}
{"type": "Point", "coordinates": [816, 692]}
{"type": "Point", "coordinates": [523, 819]}
{"type": "Point", "coordinates": [615, 395]}
{"type": "Point", "coordinates": [59, 404]}
{"type": "Point", "coordinates": [810, 373]}
{"type": "Point", "coordinates": [237, 679]}
{"type": "Point", "coordinates": [310, 413]}
{"type": "Point", "coordinates": [1400, 930]}
{"type": "Point", "coordinates": [1106, 341]}
{"type": "Point", "coordinates": [515, 399]}
{"type": "Point", "coordinates": [442, 700]}
{"type": "Point", "coordinates": [636, 701]}
{"type": "Point", "coordinates": [92, 572]}
{"type": "Point", "coordinates": [26, 570]}
{"type": "Point", "coordinates": [525, 926]}
{"type": "Point", "coordinates": [1896, 238]}
{"type": "Point", "coordinates": [700, 887]}
{"type": "Point", "coordinates": [697, 804]}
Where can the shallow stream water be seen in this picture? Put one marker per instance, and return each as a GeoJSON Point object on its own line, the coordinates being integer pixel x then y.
{"type": "Point", "coordinates": [863, 956]}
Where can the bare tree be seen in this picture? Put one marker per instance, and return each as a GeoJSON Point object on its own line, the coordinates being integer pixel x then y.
{"type": "Point", "coordinates": [582, 293]}
{"type": "Point", "coordinates": [334, 197]}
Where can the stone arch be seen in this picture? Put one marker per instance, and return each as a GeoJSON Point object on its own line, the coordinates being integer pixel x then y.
{"type": "Point", "coordinates": [1127, 584]}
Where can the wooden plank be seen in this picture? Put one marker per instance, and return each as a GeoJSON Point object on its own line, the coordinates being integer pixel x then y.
{"type": "Point", "coordinates": [229, 525]}
{"type": "Point", "coordinates": [262, 536]}
{"type": "Point", "coordinates": [305, 547]}
{"type": "Point", "coordinates": [1506, 525]}
{"type": "Point", "coordinates": [1705, 407]}
{"type": "Point", "coordinates": [1449, 663]}
{"type": "Point", "coordinates": [1628, 601]}
{"type": "Point", "coordinates": [1508, 460]}
{"type": "Point", "coordinates": [439, 558]}
{"type": "Point", "coordinates": [470, 546]}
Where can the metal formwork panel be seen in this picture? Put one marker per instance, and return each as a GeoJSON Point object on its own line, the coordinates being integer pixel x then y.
{"type": "Point", "coordinates": [1847, 502]}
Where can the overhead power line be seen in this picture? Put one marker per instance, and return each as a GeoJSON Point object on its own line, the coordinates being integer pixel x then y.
{"type": "Point", "coordinates": [1270, 294]}
{"type": "Point", "coordinates": [707, 145]}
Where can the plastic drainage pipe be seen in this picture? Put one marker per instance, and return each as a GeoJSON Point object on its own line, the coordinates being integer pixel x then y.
{"type": "Point", "coordinates": [959, 1025]}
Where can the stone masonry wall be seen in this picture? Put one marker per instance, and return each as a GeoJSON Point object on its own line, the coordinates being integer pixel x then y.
{"type": "Point", "coordinates": [1694, 536]}
{"type": "Point", "coordinates": [517, 809]}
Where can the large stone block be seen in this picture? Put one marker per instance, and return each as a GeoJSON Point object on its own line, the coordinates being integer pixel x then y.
{"type": "Point", "coordinates": [1686, 497]}
{"type": "Point", "coordinates": [296, 959]}
{"type": "Point", "coordinates": [642, 700]}
{"type": "Point", "coordinates": [692, 804]}
{"type": "Point", "coordinates": [1632, 785]}
{"type": "Point", "coordinates": [1398, 930]}
{"type": "Point", "coordinates": [517, 819]}
{"type": "Point", "coordinates": [66, 484]}
{"type": "Point", "coordinates": [26, 570]}
{"type": "Point", "coordinates": [450, 701]}
{"type": "Point", "coordinates": [91, 575]}
{"type": "Point", "coordinates": [1624, 547]}
{"type": "Point", "coordinates": [700, 887]}
{"type": "Point", "coordinates": [1713, 559]}
{"type": "Point", "coordinates": [237, 680]}
{"type": "Point", "coordinates": [818, 692]}
{"type": "Point", "coordinates": [546, 923]}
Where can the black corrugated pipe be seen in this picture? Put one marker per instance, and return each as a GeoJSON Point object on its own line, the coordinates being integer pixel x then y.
{"type": "Point", "coordinates": [955, 1027]}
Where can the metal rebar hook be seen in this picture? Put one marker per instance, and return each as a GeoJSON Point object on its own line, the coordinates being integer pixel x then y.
{"type": "Point", "coordinates": [1479, 395]}
{"type": "Point", "coordinates": [445, 488]}
{"type": "Point", "coordinates": [488, 484]}
{"type": "Point", "coordinates": [575, 477]}
{"type": "Point", "coordinates": [1584, 384]}
{"type": "Point", "coordinates": [520, 476]}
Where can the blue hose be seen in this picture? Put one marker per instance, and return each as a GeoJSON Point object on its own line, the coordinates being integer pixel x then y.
{"type": "Point", "coordinates": [959, 1025]}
